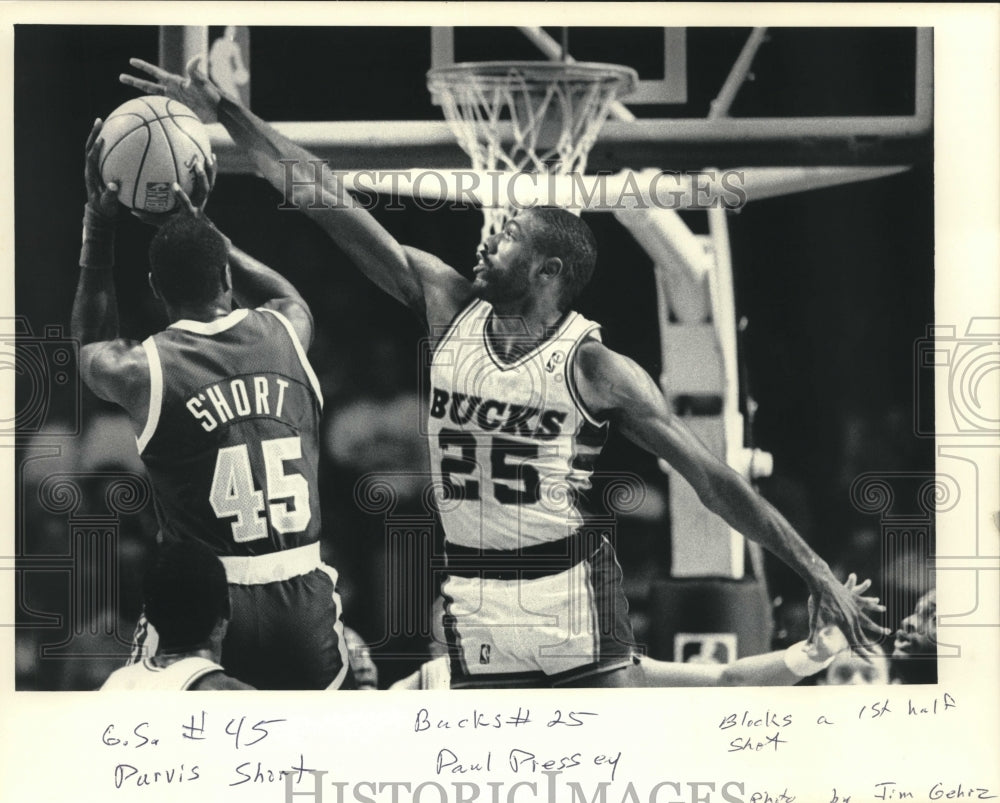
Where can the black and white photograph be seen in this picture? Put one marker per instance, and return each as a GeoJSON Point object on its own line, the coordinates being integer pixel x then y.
{"type": "Point", "coordinates": [520, 363]}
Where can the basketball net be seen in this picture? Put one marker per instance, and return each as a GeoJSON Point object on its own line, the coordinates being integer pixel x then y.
{"type": "Point", "coordinates": [530, 116]}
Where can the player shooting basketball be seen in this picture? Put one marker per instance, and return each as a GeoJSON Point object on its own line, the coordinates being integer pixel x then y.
{"type": "Point", "coordinates": [226, 412]}
{"type": "Point", "coordinates": [523, 392]}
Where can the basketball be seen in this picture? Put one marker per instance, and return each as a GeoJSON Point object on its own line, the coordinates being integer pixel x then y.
{"type": "Point", "coordinates": [150, 143]}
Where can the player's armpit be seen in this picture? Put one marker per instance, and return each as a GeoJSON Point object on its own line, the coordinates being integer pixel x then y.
{"type": "Point", "coordinates": [443, 292]}
{"type": "Point", "coordinates": [118, 371]}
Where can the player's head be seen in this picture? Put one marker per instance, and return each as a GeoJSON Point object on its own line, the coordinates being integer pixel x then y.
{"type": "Point", "coordinates": [541, 249]}
{"type": "Point", "coordinates": [851, 669]}
{"type": "Point", "coordinates": [917, 635]}
{"type": "Point", "coordinates": [188, 262]}
{"type": "Point", "coordinates": [914, 649]}
{"type": "Point", "coordinates": [360, 657]}
{"type": "Point", "coordinates": [185, 596]}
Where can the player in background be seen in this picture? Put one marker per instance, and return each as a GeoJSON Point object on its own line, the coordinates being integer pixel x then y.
{"type": "Point", "coordinates": [523, 392]}
{"type": "Point", "coordinates": [186, 597]}
{"type": "Point", "coordinates": [914, 648]}
{"type": "Point", "coordinates": [226, 412]}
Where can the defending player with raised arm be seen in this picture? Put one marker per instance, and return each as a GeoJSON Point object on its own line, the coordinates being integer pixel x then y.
{"type": "Point", "coordinates": [226, 412]}
{"type": "Point", "coordinates": [514, 438]}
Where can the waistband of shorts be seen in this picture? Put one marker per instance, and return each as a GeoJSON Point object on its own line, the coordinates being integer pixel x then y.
{"type": "Point", "coordinates": [271, 568]}
{"type": "Point", "coordinates": [527, 563]}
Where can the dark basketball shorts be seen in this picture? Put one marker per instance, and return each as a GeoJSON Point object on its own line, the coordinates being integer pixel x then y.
{"type": "Point", "coordinates": [285, 633]}
{"type": "Point", "coordinates": [533, 627]}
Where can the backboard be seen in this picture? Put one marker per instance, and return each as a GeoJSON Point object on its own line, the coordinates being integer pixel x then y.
{"type": "Point", "coordinates": [720, 97]}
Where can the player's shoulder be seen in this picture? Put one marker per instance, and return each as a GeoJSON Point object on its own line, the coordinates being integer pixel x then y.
{"type": "Point", "coordinates": [604, 378]}
{"type": "Point", "coordinates": [218, 680]}
{"type": "Point", "coordinates": [121, 354]}
{"type": "Point", "coordinates": [297, 313]}
{"type": "Point", "coordinates": [595, 362]}
{"type": "Point", "coordinates": [115, 369]}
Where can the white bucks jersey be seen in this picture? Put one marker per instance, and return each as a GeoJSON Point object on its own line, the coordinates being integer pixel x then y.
{"type": "Point", "coordinates": [145, 676]}
{"type": "Point", "coordinates": [512, 448]}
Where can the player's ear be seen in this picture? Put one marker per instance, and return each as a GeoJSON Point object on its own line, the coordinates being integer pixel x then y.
{"type": "Point", "coordinates": [227, 278]}
{"type": "Point", "coordinates": [219, 630]}
{"type": "Point", "coordinates": [153, 287]}
{"type": "Point", "coordinates": [551, 268]}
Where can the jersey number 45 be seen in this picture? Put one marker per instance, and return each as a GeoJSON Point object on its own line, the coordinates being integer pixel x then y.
{"type": "Point", "coordinates": [285, 497]}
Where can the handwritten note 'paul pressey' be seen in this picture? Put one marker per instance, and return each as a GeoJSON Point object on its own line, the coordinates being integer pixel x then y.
{"type": "Point", "coordinates": [490, 756]}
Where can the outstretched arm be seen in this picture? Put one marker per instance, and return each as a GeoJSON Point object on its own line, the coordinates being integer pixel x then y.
{"type": "Point", "coordinates": [433, 290]}
{"type": "Point", "coordinates": [114, 368]}
{"type": "Point", "coordinates": [614, 387]}
{"type": "Point", "coordinates": [786, 667]}
{"type": "Point", "coordinates": [777, 668]}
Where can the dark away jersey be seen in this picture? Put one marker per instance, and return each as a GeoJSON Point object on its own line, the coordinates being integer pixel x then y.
{"type": "Point", "coordinates": [231, 441]}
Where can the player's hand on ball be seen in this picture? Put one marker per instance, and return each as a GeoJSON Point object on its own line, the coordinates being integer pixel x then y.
{"type": "Point", "coordinates": [101, 197]}
{"type": "Point", "coordinates": [194, 89]}
{"type": "Point", "coordinates": [203, 183]}
{"type": "Point", "coordinates": [845, 607]}
{"type": "Point", "coordinates": [194, 204]}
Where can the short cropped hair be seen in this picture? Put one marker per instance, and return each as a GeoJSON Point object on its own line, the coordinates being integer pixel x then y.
{"type": "Point", "coordinates": [185, 594]}
{"type": "Point", "coordinates": [188, 260]}
{"type": "Point", "coordinates": [564, 235]}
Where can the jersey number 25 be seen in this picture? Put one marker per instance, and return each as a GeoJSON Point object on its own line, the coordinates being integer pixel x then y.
{"type": "Point", "coordinates": [515, 480]}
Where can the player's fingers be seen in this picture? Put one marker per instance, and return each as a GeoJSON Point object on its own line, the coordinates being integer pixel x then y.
{"type": "Point", "coordinates": [95, 131]}
{"type": "Point", "coordinates": [91, 171]}
{"type": "Point", "coordinates": [151, 69]}
{"type": "Point", "coordinates": [183, 199]}
{"type": "Point", "coordinates": [96, 150]}
{"type": "Point", "coordinates": [199, 195]}
{"type": "Point", "coordinates": [109, 199]}
{"type": "Point", "coordinates": [864, 652]}
{"type": "Point", "coordinates": [851, 624]}
{"type": "Point", "coordinates": [866, 626]}
{"type": "Point", "coordinates": [149, 87]}
{"type": "Point", "coordinates": [851, 580]}
{"type": "Point", "coordinates": [212, 170]}
{"type": "Point", "coordinates": [201, 179]}
{"type": "Point", "coordinates": [814, 625]}
{"type": "Point", "coordinates": [194, 69]}
{"type": "Point", "coordinates": [861, 588]}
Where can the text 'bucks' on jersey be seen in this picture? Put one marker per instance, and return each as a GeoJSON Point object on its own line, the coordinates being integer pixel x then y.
{"type": "Point", "coordinates": [231, 442]}
{"type": "Point", "coordinates": [512, 448]}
